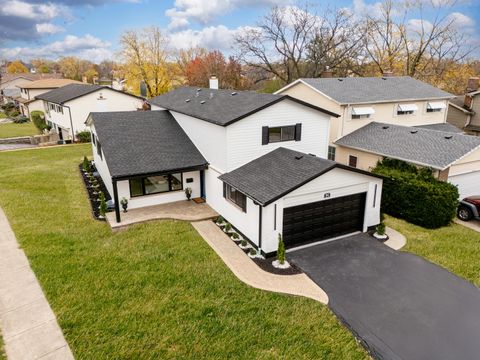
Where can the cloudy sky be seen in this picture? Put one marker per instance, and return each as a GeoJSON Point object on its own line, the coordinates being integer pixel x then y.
{"type": "Point", "coordinates": [91, 28]}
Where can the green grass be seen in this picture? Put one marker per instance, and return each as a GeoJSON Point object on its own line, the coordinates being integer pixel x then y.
{"type": "Point", "coordinates": [14, 130]}
{"type": "Point", "coordinates": [154, 291]}
{"type": "Point", "coordinates": [3, 356]}
{"type": "Point", "coordinates": [2, 115]}
{"type": "Point", "coordinates": [454, 247]}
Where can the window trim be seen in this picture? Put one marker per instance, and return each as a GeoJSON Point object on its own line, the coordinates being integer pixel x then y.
{"type": "Point", "coordinates": [350, 158]}
{"type": "Point", "coordinates": [331, 149]}
{"type": "Point", "coordinates": [155, 193]}
{"type": "Point", "coordinates": [282, 129]}
{"type": "Point", "coordinates": [297, 133]}
{"type": "Point", "coordinates": [242, 207]}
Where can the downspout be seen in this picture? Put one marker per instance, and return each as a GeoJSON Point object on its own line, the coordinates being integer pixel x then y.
{"type": "Point", "coordinates": [115, 200]}
{"type": "Point", "coordinates": [260, 229]}
{"type": "Point", "coordinates": [71, 122]}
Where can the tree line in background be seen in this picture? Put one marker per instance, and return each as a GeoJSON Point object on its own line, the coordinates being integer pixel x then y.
{"type": "Point", "coordinates": [293, 42]}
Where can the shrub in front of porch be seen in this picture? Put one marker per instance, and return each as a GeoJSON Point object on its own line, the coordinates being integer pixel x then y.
{"type": "Point", "coordinates": [413, 194]}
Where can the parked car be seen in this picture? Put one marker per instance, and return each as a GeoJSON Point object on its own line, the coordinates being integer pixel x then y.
{"type": "Point", "coordinates": [469, 208]}
{"type": "Point", "coordinates": [20, 119]}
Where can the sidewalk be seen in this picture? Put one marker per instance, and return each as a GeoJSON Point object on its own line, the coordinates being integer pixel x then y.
{"type": "Point", "coordinates": [28, 324]}
{"type": "Point", "coordinates": [395, 240]}
{"type": "Point", "coordinates": [248, 272]}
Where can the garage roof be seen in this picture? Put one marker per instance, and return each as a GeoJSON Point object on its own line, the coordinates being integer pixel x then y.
{"type": "Point", "coordinates": [144, 143]}
{"type": "Point", "coordinates": [421, 146]}
{"type": "Point", "coordinates": [278, 173]}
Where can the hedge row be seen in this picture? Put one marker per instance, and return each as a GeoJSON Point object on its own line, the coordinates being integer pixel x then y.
{"type": "Point", "coordinates": [415, 195]}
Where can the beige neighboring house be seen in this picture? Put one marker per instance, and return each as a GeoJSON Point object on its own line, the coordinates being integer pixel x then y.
{"type": "Point", "coordinates": [464, 110]}
{"type": "Point", "coordinates": [395, 117]}
{"type": "Point", "coordinates": [9, 83]}
{"type": "Point", "coordinates": [28, 91]}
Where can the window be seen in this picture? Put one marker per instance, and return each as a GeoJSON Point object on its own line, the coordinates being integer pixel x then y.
{"type": "Point", "coordinates": [235, 197]}
{"type": "Point", "coordinates": [406, 109]}
{"type": "Point", "coordinates": [429, 110]}
{"type": "Point", "coordinates": [93, 139]}
{"type": "Point", "coordinates": [155, 184]}
{"type": "Point", "coordinates": [363, 116]}
{"type": "Point", "coordinates": [52, 106]}
{"type": "Point", "coordinates": [99, 150]}
{"type": "Point", "coordinates": [281, 133]}
{"type": "Point", "coordinates": [331, 153]}
{"type": "Point", "coordinates": [352, 161]}
{"type": "Point", "coordinates": [362, 112]}
{"type": "Point", "coordinates": [435, 106]}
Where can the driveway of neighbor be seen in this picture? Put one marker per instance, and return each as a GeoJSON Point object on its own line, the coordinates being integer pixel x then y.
{"type": "Point", "coordinates": [398, 304]}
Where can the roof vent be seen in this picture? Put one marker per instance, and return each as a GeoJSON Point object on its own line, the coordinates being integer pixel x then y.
{"type": "Point", "coordinates": [413, 131]}
{"type": "Point", "coordinates": [233, 93]}
{"type": "Point", "coordinates": [384, 78]}
{"type": "Point", "coordinates": [202, 102]}
{"type": "Point", "coordinates": [298, 157]}
{"type": "Point", "coordinates": [385, 127]}
{"type": "Point", "coordinates": [339, 79]}
{"type": "Point", "coordinates": [188, 100]}
{"type": "Point", "coordinates": [312, 154]}
{"type": "Point", "coordinates": [199, 89]}
{"type": "Point", "coordinates": [448, 137]}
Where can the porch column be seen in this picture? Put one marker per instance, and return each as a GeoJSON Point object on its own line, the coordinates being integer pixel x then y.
{"type": "Point", "coordinates": [202, 184]}
{"type": "Point", "coordinates": [115, 199]}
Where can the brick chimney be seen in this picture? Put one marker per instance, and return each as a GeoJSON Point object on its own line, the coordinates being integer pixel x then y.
{"type": "Point", "coordinates": [213, 82]}
{"type": "Point", "coordinates": [472, 84]}
{"type": "Point", "coordinates": [327, 73]}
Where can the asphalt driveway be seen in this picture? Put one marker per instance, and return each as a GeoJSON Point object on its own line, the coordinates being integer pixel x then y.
{"type": "Point", "coordinates": [398, 304]}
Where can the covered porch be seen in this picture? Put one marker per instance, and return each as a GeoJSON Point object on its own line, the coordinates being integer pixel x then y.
{"type": "Point", "coordinates": [179, 210]}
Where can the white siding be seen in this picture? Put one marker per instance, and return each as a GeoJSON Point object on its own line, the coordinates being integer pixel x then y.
{"type": "Point", "coordinates": [102, 166]}
{"type": "Point", "coordinates": [156, 199]}
{"type": "Point", "coordinates": [210, 139]}
{"type": "Point", "coordinates": [244, 138]}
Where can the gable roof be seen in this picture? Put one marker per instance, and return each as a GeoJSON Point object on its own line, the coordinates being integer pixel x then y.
{"type": "Point", "coordinates": [367, 90]}
{"type": "Point", "coordinates": [48, 83]}
{"type": "Point", "coordinates": [278, 173]}
{"type": "Point", "coordinates": [73, 91]}
{"type": "Point", "coordinates": [219, 106]}
{"type": "Point", "coordinates": [432, 148]}
{"type": "Point", "coordinates": [446, 127]}
{"type": "Point", "coordinates": [28, 77]}
{"type": "Point", "coordinates": [144, 143]}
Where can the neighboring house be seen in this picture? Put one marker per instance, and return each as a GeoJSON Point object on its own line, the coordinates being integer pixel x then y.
{"type": "Point", "coordinates": [67, 108]}
{"type": "Point", "coordinates": [257, 159]}
{"type": "Point", "coordinates": [397, 117]}
{"type": "Point", "coordinates": [9, 83]}
{"type": "Point", "coordinates": [29, 90]}
{"type": "Point", "coordinates": [464, 110]}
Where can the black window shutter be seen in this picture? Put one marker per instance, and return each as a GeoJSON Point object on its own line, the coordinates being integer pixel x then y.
{"type": "Point", "coordinates": [244, 203]}
{"type": "Point", "coordinates": [224, 190]}
{"type": "Point", "coordinates": [298, 132]}
{"type": "Point", "coordinates": [264, 135]}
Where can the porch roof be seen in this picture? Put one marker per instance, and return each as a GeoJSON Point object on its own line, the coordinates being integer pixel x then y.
{"type": "Point", "coordinates": [137, 143]}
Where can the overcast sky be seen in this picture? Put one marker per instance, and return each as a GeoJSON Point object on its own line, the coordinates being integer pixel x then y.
{"type": "Point", "coordinates": [91, 28]}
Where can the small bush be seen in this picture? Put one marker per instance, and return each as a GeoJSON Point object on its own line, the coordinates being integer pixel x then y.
{"type": "Point", "coordinates": [13, 113]}
{"type": "Point", "coordinates": [243, 243]}
{"type": "Point", "coordinates": [84, 136]}
{"type": "Point", "coordinates": [20, 119]}
{"type": "Point", "coordinates": [281, 250]}
{"type": "Point", "coordinates": [220, 220]}
{"type": "Point", "coordinates": [235, 236]}
{"type": "Point", "coordinates": [381, 229]}
{"type": "Point", "coordinates": [415, 195]}
{"type": "Point", "coordinates": [38, 119]}
{"type": "Point", "coordinates": [8, 107]}
{"type": "Point", "coordinates": [86, 164]}
{"type": "Point", "coordinates": [253, 251]}
{"type": "Point", "coordinates": [228, 227]}
{"type": "Point", "coordinates": [103, 204]}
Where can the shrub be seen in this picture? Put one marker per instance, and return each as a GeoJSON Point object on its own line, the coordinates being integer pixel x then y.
{"type": "Point", "coordinates": [253, 251]}
{"type": "Point", "coordinates": [281, 250]}
{"type": "Point", "coordinates": [38, 119]}
{"type": "Point", "coordinates": [415, 195]}
{"type": "Point", "coordinates": [220, 220]}
{"type": "Point", "coordinates": [243, 243]}
{"type": "Point", "coordinates": [13, 113]}
{"type": "Point", "coordinates": [103, 204]}
{"type": "Point", "coordinates": [20, 119]}
{"type": "Point", "coordinates": [235, 236]}
{"type": "Point", "coordinates": [84, 136]}
{"type": "Point", "coordinates": [8, 106]}
{"type": "Point", "coordinates": [228, 227]}
{"type": "Point", "coordinates": [86, 164]}
{"type": "Point", "coordinates": [381, 229]}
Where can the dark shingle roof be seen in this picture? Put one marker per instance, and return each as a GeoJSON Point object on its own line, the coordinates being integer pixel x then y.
{"type": "Point", "coordinates": [277, 173]}
{"type": "Point", "coordinates": [144, 142]}
{"type": "Point", "coordinates": [446, 127]}
{"type": "Point", "coordinates": [68, 92]}
{"type": "Point", "coordinates": [357, 90]}
{"type": "Point", "coordinates": [221, 107]}
{"type": "Point", "coordinates": [436, 149]}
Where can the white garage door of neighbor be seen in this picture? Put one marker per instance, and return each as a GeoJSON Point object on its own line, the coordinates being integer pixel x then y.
{"type": "Point", "coordinates": [468, 184]}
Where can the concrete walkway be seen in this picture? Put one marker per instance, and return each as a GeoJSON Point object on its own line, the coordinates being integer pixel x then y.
{"type": "Point", "coordinates": [248, 272]}
{"type": "Point", "coordinates": [28, 324]}
{"type": "Point", "coordinates": [472, 224]}
{"type": "Point", "coordinates": [396, 241]}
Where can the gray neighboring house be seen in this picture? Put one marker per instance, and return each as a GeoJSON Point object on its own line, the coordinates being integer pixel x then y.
{"type": "Point", "coordinates": [464, 110]}
{"type": "Point", "coordinates": [455, 157]}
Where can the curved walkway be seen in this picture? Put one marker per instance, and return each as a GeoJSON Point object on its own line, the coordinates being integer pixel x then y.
{"type": "Point", "coordinates": [248, 272]}
{"type": "Point", "coordinates": [396, 241]}
{"type": "Point", "coordinates": [28, 324]}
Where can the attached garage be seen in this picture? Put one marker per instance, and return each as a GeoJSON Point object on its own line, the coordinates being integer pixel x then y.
{"type": "Point", "coordinates": [323, 220]}
{"type": "Point", "coordinates": [304, 198]}
{"type": "Point", "coordinates": [468, 183]}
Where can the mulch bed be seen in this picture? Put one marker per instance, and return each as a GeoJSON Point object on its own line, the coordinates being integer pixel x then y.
{"type": "Point", "coordinates": [95, 204]}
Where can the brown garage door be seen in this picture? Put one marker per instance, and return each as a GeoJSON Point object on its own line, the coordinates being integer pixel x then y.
{"type": "Point", "coordinates": [323, 219]}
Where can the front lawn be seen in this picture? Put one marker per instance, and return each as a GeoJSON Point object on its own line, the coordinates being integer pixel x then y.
{"type": "Point", "coordinates": [14, 130]}
{"type": "Point", "coordinates": [154, 291]}
{"type": "Point", "coordinates": [3, 356]}
{"type": "Point", "coordinates": [454, 247]}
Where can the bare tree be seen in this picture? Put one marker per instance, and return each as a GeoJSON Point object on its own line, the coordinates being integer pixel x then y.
{"type": "Point", "coordinates": [280, 42]}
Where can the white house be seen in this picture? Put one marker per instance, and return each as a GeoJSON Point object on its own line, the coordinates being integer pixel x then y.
{"type": "Point", "coordinates": [29, 90]}
{"type": "Point", "coordinates": [9, 84]}
{"type": "Point", "coordinates": [397, 117]}
{"type": "Point", "coordinates": [67, 108]}
{"type": "Point", "coordinates": [259, 160]}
